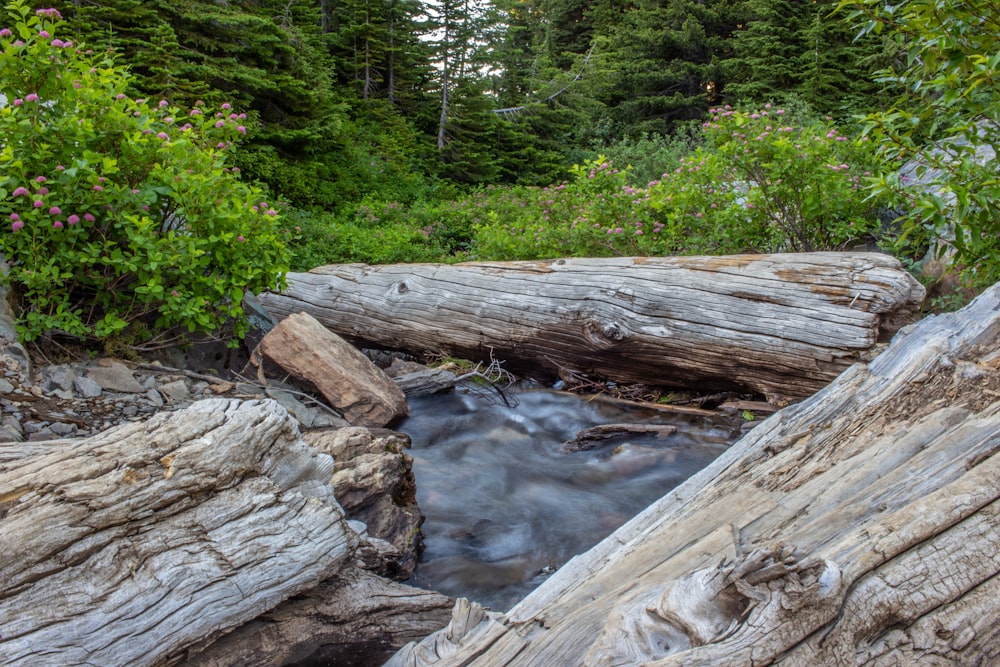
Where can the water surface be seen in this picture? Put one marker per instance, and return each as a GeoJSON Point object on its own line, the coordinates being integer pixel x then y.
{"type": "Point", "coordinates": [505, 505]}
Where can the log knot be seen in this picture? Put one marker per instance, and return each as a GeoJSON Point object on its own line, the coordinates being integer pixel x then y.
{"type": "Point", "coordinates": [711, 604]}
{"type": "Point", "coordinates": [605, 335]}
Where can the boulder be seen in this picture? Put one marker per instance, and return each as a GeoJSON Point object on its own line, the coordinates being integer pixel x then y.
{"type": "Point", "coordinates": [373, 482]}
{"type": "Point", "coordinates": [324, 362]}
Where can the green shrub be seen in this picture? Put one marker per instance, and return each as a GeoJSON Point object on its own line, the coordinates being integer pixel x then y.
{"type": "Point", "coordinates": [767, 183]}
{"type": "Point", "coordinates": [947, 115]}
{"type": "Point", "coordinates": [120, 211]}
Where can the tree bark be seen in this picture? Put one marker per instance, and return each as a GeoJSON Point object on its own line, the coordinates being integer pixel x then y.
{"type": "Point", "coordinates": [781, 325]}
{"type": "Point", "coordinates": [127, 547]}
{"type": "Point", "coordinates": [861, 526]}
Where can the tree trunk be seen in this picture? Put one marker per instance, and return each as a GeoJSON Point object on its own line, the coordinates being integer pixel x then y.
{"type": "Point", "coordinates": [127, 547]}
{"type": "Point", "coordinates": [781, 325]}
{"type": "Point", "coordinates": [861, 526]}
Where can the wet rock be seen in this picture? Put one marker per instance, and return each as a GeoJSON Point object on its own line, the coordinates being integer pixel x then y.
{"type": "Point", "coordinates": [114, 376]}
{"type": "Point", "coordinates": [373, 482]}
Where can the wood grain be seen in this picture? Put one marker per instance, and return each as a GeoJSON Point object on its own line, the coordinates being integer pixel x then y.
{"type": "Point", "coordinates": [123, 548]}
{"type": "Point", "coordinates": [782, 325]}
{"type": "Point", "coordinates": [860, 526]}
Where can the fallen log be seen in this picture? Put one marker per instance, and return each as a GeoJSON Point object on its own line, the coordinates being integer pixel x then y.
{"type": "Point", "coordinates": [126, 547]}
{"type": "Point", "coordinates": [782, 325]}
{"type": "Point", "coordinates": [860, 526]}
{"type": "Point", "coordinates": [355, 618]}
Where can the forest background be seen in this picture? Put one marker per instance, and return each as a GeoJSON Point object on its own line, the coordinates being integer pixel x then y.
{"type": "Point", "coordinates": [401, 130]}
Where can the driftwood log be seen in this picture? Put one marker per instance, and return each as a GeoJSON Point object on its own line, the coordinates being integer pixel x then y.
{"type": "Point", "coordinates": [782, 325]}
{"type": "Point", "coordinates": [354, 618]}
{"type": "Point", "coordinates": [129, 546]}
{"type": "Point", "coordinates": [861, 526]}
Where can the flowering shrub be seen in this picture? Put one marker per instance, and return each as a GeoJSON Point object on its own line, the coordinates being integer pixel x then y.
{"type": "Point", "coordinates": [767, 183]}
{"type": "Point", "coordinates": [118, 210]}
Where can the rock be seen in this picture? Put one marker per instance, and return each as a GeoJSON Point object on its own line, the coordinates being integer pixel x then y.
{"type": "Point", "coordinates": [175, 392]}
{"type": "Point", "coordinates": [87, 387]}
{"type": "Point", "coordinates": [5, 386]}
{"type": "Point", "coordinates": [341, 374]}
{"type": "Point", "coordinates": [155, 399]}
{"type": "Point", "coordinates": [55, 378]}
{"type": "Point", "coordinates": [373, 482]}
{"type": "Point", "coordinates": [114, 376]}
{"type": "Point", "coordinates": [14, 359]}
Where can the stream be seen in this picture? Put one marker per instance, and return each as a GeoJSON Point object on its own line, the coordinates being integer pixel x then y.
{"type": "Point", "coordinates": [506, 506]}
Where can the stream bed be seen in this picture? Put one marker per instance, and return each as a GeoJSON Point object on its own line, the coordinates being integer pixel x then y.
{"type": "Point", "coordinates": [506, 506]}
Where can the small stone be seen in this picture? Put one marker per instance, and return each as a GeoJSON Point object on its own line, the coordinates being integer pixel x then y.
{"type": "Point", "coordinates": [33, 426]}
{"type": "Point", "coordinates": [56, 378]}
{"type": "Point", "coordinates": [130, 410]}
{"type": "Point", "coordinates": [155, 398]}
{"type": "Point", "coordinates": [175, 391]}
{"type": "Point", "coordinates": [115, 376]}
{"type": "Point", "coordinates": [87, 387]}
{"type": "Point", "coordinates": [44, 434]}
{"type": "Point", "coordinates": [6, 387]}
{"type": "Point", "coordinates": [63, 429]}
{"type": "Point", "coordinates": [198, 388]}
{"type": "Point", "coordinates": [64, 394]}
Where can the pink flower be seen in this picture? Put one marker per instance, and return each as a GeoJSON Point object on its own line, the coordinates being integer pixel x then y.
{"type": "Point", "coordinates": [233, 116]}
{"type": "Point", "coordinates": [57, 43]}
{"type": "Point", "coordinates": [16, 225]}
{"type": "Point", "coordinates": [38, 203]}
{"type": "Point", "coordinates": [162, 135]}
{"type": "Point", "coordinates": [73, 219]}
{"type": "Point", "coordinates": [98, 188]}
{"type": "Point", "coordinates": [240, 238]}
{"type": "Point", "coordinates": [44, 34]}
{"type": "Point", "coordinates": [18, 42]}
{"type": "Point", "coordinates": [51, 12]}
{"type": "Point", "coordinates": [21, 192]}
{"type": "Point", "coordinates": [168, 120]}
{"type": "Point", "coordinates": [57, 224]}
{"type": "Point", "coordinates": [59, 167]}
{"type": "Point", "coordinates": [18, 102]}
{"type": "Point", "coordinates": [241, 129]}
{"type": "Point", "coordinates": [195, 112]}
{"type": "Point", "coordinates": [120, 96]}
{"type": "Point", "coordinates": [55, 210]}
{"type": "Point", "coordinates": [14, 217]}
{"type": "Point", "coordinates": [6, 32]}
{"type": "Point", "coordinates": [220, 123]}
{"type": "Point", "coordinates": [42, 191]}
{"type": "Point", "coordinates": [88, 217]}
{"type": "Point", "coordinates": [227, 106]}
{"type": "Point", "coordinates": [163, 104]}
{"type": "Point", "coordinates": [40, 179]}
{"type": "Point", "coordinates": [173, 292]}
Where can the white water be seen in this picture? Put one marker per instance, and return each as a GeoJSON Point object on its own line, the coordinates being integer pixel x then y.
{"type": "Point", "coordinates": [504, 504]}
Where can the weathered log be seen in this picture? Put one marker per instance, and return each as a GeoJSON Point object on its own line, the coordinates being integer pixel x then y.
{"type": "Point", "coordinates": [861, 526]}
{"type": "Point", "coordinates": [782, 325]}
{"type": "Point", "coordinates": [128, 546]}
{"type": "Point", "coordinates": [355, 618]}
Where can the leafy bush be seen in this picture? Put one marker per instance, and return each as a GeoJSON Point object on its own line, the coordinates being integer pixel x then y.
{"type": "Point", "coordinates": [767, 183]}
{"type": "Point", "coordinates": [120, 211]}
{"type": "Point", "coordinates": [948, 109]}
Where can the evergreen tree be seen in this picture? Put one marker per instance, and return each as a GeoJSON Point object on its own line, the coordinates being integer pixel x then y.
{"type": "Point", "coordinates": [662, 62]}
{"type": "Point", "coordinates": [802, 49]}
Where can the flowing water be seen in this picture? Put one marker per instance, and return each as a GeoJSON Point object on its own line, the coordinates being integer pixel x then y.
{"type": "Point", "coordinates": [506, 506]}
